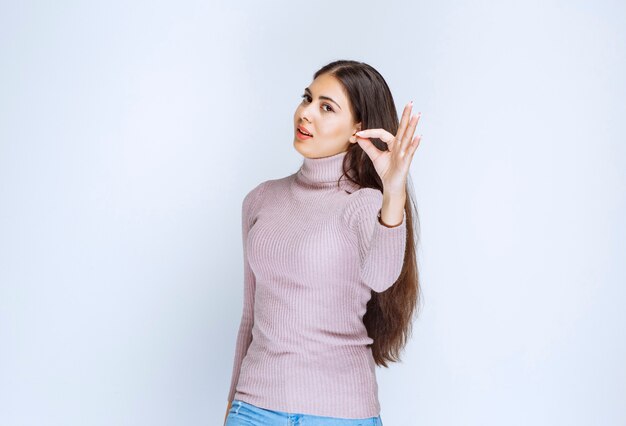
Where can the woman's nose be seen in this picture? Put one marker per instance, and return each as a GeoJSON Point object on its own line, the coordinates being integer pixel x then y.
{"type": "Point", "coordinates": [304, 113]}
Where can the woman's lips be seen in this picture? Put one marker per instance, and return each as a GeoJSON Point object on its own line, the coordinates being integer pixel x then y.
{"type": "Point", "coordinates": [301, 135]}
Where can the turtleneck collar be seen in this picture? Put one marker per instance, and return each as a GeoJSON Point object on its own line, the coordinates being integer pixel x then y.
{"type": "Point", "coordinates": [324, 170]}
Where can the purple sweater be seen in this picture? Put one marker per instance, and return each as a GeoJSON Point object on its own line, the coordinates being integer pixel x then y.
{"type": "Point", "coordinates": [312, 255]}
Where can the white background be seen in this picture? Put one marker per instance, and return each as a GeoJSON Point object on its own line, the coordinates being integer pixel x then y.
{"type": "Point", "coordinates": [131, 131]}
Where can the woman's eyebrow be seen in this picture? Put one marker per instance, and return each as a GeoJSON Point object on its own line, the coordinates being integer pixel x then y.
{"type": "Point", "coordinates": [306, 89]}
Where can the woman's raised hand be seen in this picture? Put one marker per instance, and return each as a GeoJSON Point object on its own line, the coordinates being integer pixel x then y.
{"type": "Point", "coordinates": [393, 165]}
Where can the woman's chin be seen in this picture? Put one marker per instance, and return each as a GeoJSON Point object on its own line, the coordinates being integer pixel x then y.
{"type": "Point", "coordinates": [302, 147]}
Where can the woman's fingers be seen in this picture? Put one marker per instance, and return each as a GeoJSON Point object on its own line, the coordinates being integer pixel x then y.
{"type": "Point", "coordinates": [414, 144]}
{"type": "Point", "coordinates": [369, 148]}
{"type": "Point", "coordinates": [403, 141]}
{"type": "Point", "coordinates": [404, 120]}
{"type": "Point", "coordinates": [410, 131]}
{"type": "Point", "coordinates": [381, 134]}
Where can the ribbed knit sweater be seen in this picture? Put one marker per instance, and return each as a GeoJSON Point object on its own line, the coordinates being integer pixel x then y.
{"type": "Point", "coordinates": [312, 256]}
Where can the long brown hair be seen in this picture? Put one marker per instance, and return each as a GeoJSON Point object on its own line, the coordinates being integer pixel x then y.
{"type": "Point", "coordinates": [389, 314]}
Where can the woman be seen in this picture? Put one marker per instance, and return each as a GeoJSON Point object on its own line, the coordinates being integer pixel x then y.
{"type": "Point", "coordinates": [330, 273]}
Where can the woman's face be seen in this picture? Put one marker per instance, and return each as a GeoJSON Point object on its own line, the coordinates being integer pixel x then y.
{"type": "Point", "coordinates": [329, 121]}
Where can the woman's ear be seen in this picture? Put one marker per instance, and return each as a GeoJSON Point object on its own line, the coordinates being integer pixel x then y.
{"type": "Point", "coordinates": [357, 128]}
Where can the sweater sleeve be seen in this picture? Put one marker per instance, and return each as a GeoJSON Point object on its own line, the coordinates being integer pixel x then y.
{"type": "Point", "coordinates": [381, 249]}
{"type": "Point", "coordinates": [244, 336]}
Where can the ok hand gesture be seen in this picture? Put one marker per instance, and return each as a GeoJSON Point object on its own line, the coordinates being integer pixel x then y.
{"type": "Point", "coordinates": [393, 165]}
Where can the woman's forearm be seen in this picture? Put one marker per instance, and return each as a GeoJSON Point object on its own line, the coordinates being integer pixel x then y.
{"type": "Point", "coordinates": [392, 210]}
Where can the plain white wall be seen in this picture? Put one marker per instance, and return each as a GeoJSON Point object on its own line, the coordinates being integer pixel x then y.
{"type": "Point", "coordinates": [131, 131]}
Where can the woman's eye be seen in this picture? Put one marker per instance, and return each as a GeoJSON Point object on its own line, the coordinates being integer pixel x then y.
{"type": "Point", "coordinates": [305, 98]}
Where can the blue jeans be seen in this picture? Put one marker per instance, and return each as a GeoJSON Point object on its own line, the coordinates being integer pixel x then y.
{"type": "Point", "coordinates": [242, 413]}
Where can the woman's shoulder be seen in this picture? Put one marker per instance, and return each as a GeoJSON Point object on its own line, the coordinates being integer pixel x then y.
{"type": "Point", "coordinates": [269, 185]}
{"type": "Point", "coordinates": [261, 190]}
{"type": "Point", "coordinates": [363, 196]}
{"type": "Point", "coordinates": [362, 200]}
{"type": "Point", "coordinates": [255, 193]}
